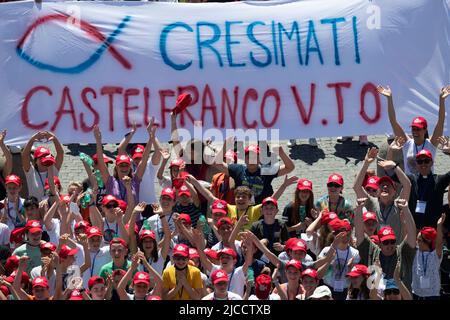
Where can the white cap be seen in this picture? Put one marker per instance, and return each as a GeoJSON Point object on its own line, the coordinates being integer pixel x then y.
{"type": "Point", "coordinates": [320, 292]}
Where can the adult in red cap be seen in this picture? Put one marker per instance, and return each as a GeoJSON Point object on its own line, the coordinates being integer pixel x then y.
{"type": "Point", "coordinates": [426, 280]}
{"type": "Point", "coordinates": [334, 201]}
{"type": "Point", "coordinates": [251, 173]}
{"type": "Point", "coordinates": [419, 128]}
{"type": "Point", "coordinates": [114, 183]}
{"type": "Point", "coordinates": [220, 280]}
{"type": "Point", "coordinates": [357, 277]}
{"type": "Point", "coordinates": [182, 281]}
{"type": "Point", "coordinates": [300, 212]}
{"type": "Point", "coordinates": [273, 230]}
{"type": "Point", "coordinates": [33, 235]}
{"type": "Point", "coordinates": [13, 202]}
{"type": "Point", "coordinates": [35, 171]}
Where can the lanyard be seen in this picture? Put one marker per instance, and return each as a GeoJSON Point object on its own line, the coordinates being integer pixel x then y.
{"type": "Point", "coordinates": [424, 188]}
{"type": "Point", "coordinates": [117, 227]}
{"type": "Point", "coordinates": [17, 219]}
{"type": "Point", "coordinates": [40, 178]}
{"type": "Point", "coordinates": [159, 225]}
{"type": "Point", "coordinates": [425, 264]}
{"type": "Point", "coordinates": [337, 205]}
{"type": "Point", "coordinates": [341, 270]}
{"type": "Point", "coordinates": [231, 277]}
{"type": "Point", "coordinates": [93, 262]}
{"type": "Point", "coordinates": [388, 210]}
{"type": "Point", "coordinates": [122, 190]}
{"type": "Point", "coordinates": [417, 149]}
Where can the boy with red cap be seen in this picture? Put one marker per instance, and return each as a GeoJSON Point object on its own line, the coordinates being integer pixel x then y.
{"type": "Point", "coordinates": [188, 202]}
{"type": "Point", "coordinates": [220, 281]}
{"type": "Point", "coordinates": [176, 167]}
{"type": "Point", "coordinates": [97, 288]}
{"type": "Point", "coordinates": [383, 205]}
{"type": "Point", "coordinates": [427, 191]}
{"type": "Point", "coordinates": [182, 281]}
{"type": "Point", "coordinates": [46, 268]}
{"type": "Point", "coordinates": [36, 170]}
{"type": "Point", "coordinates": [334, 201]}
{"type": "Point", "coordinates": [33, 236]}
{"type": "Point", "coordinates": [310, 281]}
{"type": "Point", "coordinates": [12, 206]}
{"type": "Point", "coordinates": [118, 249]}
{"type": "Point", "coordinates": [263, 289]}
{"type": "Point", "coordinates": [388, 252]}
{"type": "Point", "coordinates": [426, 278]}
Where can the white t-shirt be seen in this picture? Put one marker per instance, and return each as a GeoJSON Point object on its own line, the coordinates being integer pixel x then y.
{"type": "Point", "coordinates": [165, 182]}
{"type": "Point", "coordinates": [231, 296]}
{"type": "Point", "coordinates": [36, 182]}
{"type": "Point", "coordinates": [314, 246]}
{"type": "Point", "coordinates": [11, 213]}
{"type": "Point", "coordinates": [5, 233]}
{"type": "Point", "coordinates": [410, 149]}
{"type": "Point", "coordinates": [36, 272]}
{"type": "Point", "coordinates": [236, 280]}
{"type": "Point", "coordinates": [307, 261]}
{"type": "Point", "coordinates": [54, 232]}
{"type": "Point", "coordinates": [272, 296]}
{"type": "Point", "coordinates": [155, 224]}
{"type": "Point", "coordinates": [98, 260]}
{"type": "Point", "coordinates": [113, 231]}
{"type": "Point", "coordinates": [158, 265]}
{"type": "Point", "coordinates": [431, 286]}
{"type": "Point", "coordinates": [147, 190]}
{"type": "Point", "coordinates": [338, 268]}
{"type": "Point", "coordinates": [219, 246]}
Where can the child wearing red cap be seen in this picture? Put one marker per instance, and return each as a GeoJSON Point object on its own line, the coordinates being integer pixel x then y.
{"type": "Point", "coordinates": [426, 278]}
{"type": "Point", "coordinates": [419, 127]}
{"type": "Point", "coordinates": [263, 289]}
{"type": "Point", "coordinates": [334, 201]}
{"type": "Point", "coordinates": [8, 164]}
{"type": "Point", "coordinates": [33, 236]}
{"type": "Point", "coordinates": [36, 170]}
{"type": "Point", "coordinates": [292, 287]}
{"type": "Point", "coordinates": [176, 168]}
{"type": "Point", "coordinates": [13, 214]}
{"type": "Point", "coordinates": [220, 281]}
{"type": "Point", "coordinates": [319, 234]}
{"type": "Point", "coordinates": [118, 249]}
{"type": "Point", "coordinates": [188, 202]}
{"type": "Point", "coordinates": [357, 278]}
{"type": "Point", "coordinates": [222, 185]}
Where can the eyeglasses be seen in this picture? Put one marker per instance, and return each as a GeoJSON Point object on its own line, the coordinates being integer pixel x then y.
{"type": "Point", "coordinates": [388, 242]}
{"type": "Point", "coordinates": [111, 206]}
{"type": "Point", "coordinates": [391, 291]}
{"type": "Point", "coordinates": [333, 185]}
{"type": "Point", "coordinates": [422, 161]}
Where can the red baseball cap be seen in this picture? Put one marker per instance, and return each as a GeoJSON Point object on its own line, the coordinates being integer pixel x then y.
{"type": "Point", "coordinates": [227, 251]}
{"type": "Point", "coordinates": [263, 285]}
{"type": "Point", "coordinates": [185, 217]}
{"type": "Point", "coordinates": [64, 198]}
{"type": "Point", "coordinates": [294, 263]}
{"type": "Point", "coordinates": [386, 179]}
{"type": "Point", "coordinates": [118, 241]}
{"type": "Point", "coordinates": [299, 245]}
{"type": "Point", "coordinates": [176, 163]}
{"type": "Point", "coordinates": [252, 148]}
{"type": "Point", "coordinates": [11, 264]}
{"type": "Point", "coordinates": [94, 231]}
{"type": "Point", "coordinates": [386, 233]}
{"type": "Point", "coordinates": [367, 216]}
{"type": "Point", "coordinates": [424, 153]}
{"type": "Point", "coordinates": [4, 290]}
{"type": "Point", "coordinates": [136, 229]}
{"type": "Point", "coordinates": [122, 205]}
{"type": "Point", "coordinates": [168, 192]}
{"type": "Point", "coordinates": [340, 225]}
{"type": "Point", "coordinates": [153, 297]}
{"type": "Point", "coordinates": [12, 178]}
{"type": "Point", "coordinates": [109, 198]}
{"type": "Point", "coordinates": [270, 200]}
{"type": "Point", "coordinates": [419, 122]}
{"type": "Point", "coordinates": [47, 160]}
{"type": "Point", "coordinates": [372, 182]}
{"type": "Point", "coordinates": [76, 295]}
{"type": "Point", "coordinates": [358, 270]}
{"type": "Point", "coordinates": [48, 246]}
{"type": "Point", "coordinates": [304, 184]}
{"type": "Point", "coordinates": [231, 155]}
{"type": "Point", "coordinates": [327, 217]}
{"type": "Point", "coordinates": [223, 221]}
{"type": "Point", "coordinates": [141, 277]}
{"type": "Point", "coordinates": [184, 190]}
{"type": "Point", "coordinates": [94, 280]}
{"type": "Point", "coordinates": [375, 239]}
{"type": "Point", "coordinates": [289, 243]}
{"type": "Point", "coordinates": [40, 282]}
{"type": "Point", "coordinates": [146, 234]}
{"type": "Point", "coordinates": [310, 273]}
{"type": "Point", "coordinates": [219, 206]}
{"type": "Point", "coordinates": [67, 251]}
{"type": "Point", "coordinates": [219, 275]}
{"type": "Point", "coordinates": [183, 101]}
{"type": "Point", "coordinates": [123, 158]}
{"type": "Point", "coordinates": [211, 253]}
{"type": "Point", "coordinates": [82, 224]}
{"type": "Point", "coordinates": [429, 234]}
{"type": "Point", "coordinates": [336, 178]}
{"type": "Point", "coordinates": [193, 253]}
{"type": "Point", "coordinates": [105, 159]}
{"type": "Point", "coordinates": [25, 277]}
{"type": "Point", "coordinates": [33, 226]}
{"type": "Point", "coordinates": [41, 151]}
{"type": "Point", "coordinates": [181, 250]}
{"type": "Point", "coordinates": [137, 155]}
{"type": "Point", "coordinates": [139, 148]}
{"type": "Point", "coordinates": [56, 182]}
{"type": "Point", "coordinates": [17, 236]}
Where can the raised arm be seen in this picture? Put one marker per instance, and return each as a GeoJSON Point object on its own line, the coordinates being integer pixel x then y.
{"type": "Point", "coordinates": [439, 129]}
{"type": "Point", "coordinates": [26, 152]}
{"type": "Point", "coordinates": [199, 243]}
{"type": "Point", "coordinates": [410, 225]}
{"type": "Point", "coordinates": [139, 208]}
{"type": "Point", "coordinates": [165, 158]}
{"type": "Point", "coordinates": [50, 214]}
{"type": "Point", "coordinates": [440, 235]}
{"type": "Point", "coordinates": [59, 149]}
{"type": "Point", "coordinates": [272, 258]}
{"type": "Point", "coordinates": [327, 260]}
{"type": "Point", "coordinates": [87, 256]}
{"type": "Point", "coordinates": [127, 277]}
{"type": "Point", "coordinates": [122, 149]}
{"type": "Point", "coordinates": [286, 183]}
{"type": "Point", "coordinates": [404, 292]}
{"type": "Point", "coordinates": [315, 225]}
{"type": "Point", "coordinates": [99, 150]}
{"type": "Point", "coordinates": [358, 187]}
{"type": "Point", "coordinates": [395, 146]}
{"type": "Point", "coordinates": [156, 157]}
{"type": "Point", "coordinates": [151, 129]}
{"type": "Point", "coordinates": [358, 221]}
{"type": "Point", "coordinates": [167, 234]}
{"type": "Point", "coordinates": [156, 276]}
{"type": "Point", "coordinates": [243, 220]}
{"type": "Point", "coordinates": [404, 180]}
{"type": "Point", "coordinates": [200, 188]}
{"type": "Point", "coordinates": [7, 168]}
{"type": "Point", "coordinates": [218, 159]}
{"type": "Point", "coordinates": [288, 165]}
{"type": "Point", "coordinates": [398, 130]}
{"type": "Point", "coordinates": [174, 135]}
{"type": "Point", "coordinates": [194, 193]}
{"type": "Point", "coordinates": [95, 215]}
{"type": "Point", "coordinates": [130, 198]}
{"type": "Point", "coordinates": [21, 294]}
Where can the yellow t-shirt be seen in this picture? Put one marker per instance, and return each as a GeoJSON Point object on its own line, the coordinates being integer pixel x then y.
{"type": "Point", "coordinates": [253, 213]}
{"type": "Point", "coordinates": [193, 278]}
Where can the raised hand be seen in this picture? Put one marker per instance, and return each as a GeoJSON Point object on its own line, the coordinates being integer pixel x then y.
{"type": "Point", "coordinates": [398, 143]}
{"type": "Point", "coordinates": [386, 164]}
{"type": "Point", "coordinates": [401, 203]}
{"type": "Point", "coordinates": [360, 202]}
{"type": "Point", "coordinates": [441, 220]}
{"type": "Point", "coordinates": [445, 144]}
{"type": "Point", "coordinates": [290, 181]}
{"type": "Point", "coordinates": [127, 181]}
{"type": "Point", "coordinates": [371, 155]}
{"type": "Point", "coordinates": [140, 207]}
{"type": "Point", "coordinates": [445, 92]}
{"type": "Point", "coordinates": [384, 91]}
{"type": "Point", "coordinates": [338, 239]}
{"type": "Point", "coordinates": [2, 136]}
{"type": "Point", "coordinates": [82, 239]}
{"type": "Point", "coordinates": [97, 133]}
{"type": "Point", "coordinates": [397, 270]}
{"type": "Point", "coordinates": [165, 154]}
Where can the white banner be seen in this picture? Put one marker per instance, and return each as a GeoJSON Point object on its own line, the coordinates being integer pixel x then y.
{"type": "Point", "coordinates": [307, 68]}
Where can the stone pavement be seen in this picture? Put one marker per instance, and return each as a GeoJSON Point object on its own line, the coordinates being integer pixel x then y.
{"type": "Point", "coordinates": [311, 163]}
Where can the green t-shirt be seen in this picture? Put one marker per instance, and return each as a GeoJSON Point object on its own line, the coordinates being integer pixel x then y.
{"type": "Point", "coordinates": [110, 267]}
{"type": "Point", "coordinates": [33, 252]}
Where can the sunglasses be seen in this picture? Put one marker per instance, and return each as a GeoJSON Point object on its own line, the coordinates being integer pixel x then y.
{"type": "Point", "coordinates": [180, 258]}
{"type": "Point", "coordinates": [111, 206]}
{"type": "Point", "coordinates": [388, 242]}
{"type": "Point", "coordinates": [422, 161]}
{"type": "Point", "coordinates": [391, 291]}
{"type": "Point", "coordinates": [371, 190]}
{"type": "Point", "coordinates": [333, 185]}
